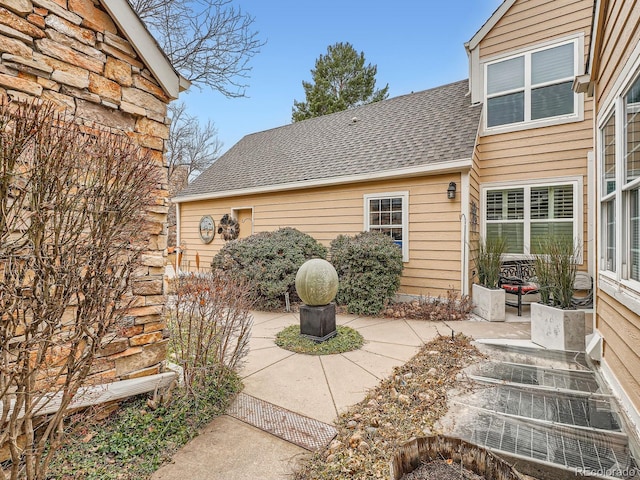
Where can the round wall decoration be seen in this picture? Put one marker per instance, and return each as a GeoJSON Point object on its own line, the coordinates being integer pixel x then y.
{"type": "Point", "coordinates": [228, 228]}
{"type": "Point", "coordinates": [207, 228]}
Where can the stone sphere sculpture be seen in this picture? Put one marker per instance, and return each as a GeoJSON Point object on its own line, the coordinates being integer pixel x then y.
{"type": "Point", "coordinates": [317, 282]}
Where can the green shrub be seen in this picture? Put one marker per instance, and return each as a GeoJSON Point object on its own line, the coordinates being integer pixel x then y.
{"type": "Point", "coordinates": [269, 261]}
{"type": "Point", "coordinates": [369, 267]}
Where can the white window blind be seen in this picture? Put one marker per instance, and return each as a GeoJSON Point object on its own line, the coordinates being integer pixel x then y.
{"type": "Point", "coordinates": [525, 216]}
{"type": "Point", "coordinates": [532, 86]}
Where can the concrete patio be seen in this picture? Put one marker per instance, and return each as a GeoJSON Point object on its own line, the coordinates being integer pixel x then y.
{"type": "Point", "coordinates": [319, 387]}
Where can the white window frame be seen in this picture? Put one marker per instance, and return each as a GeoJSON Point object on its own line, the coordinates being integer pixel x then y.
{"type": "Point", "coordinates": [618, 283]}
{"type": "Point", "coordinates": [404, 195]}
{"type": "Point", "coordinates": [578, 99]}
{"type": "Point", "coordinates": [576, 182]}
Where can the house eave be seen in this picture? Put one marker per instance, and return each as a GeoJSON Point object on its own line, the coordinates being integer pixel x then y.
{"type": "Point", "coordinates": [146, 46]}
{"type": "Point", "coordinates": [489, 24]}
{"type": "Point", "coordinates": [432, 169]}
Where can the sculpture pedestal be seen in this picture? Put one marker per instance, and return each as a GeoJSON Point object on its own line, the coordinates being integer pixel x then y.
{"type": "Point", "coordinates": [318, 323]}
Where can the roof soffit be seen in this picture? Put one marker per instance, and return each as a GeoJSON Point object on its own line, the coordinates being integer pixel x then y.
{"type": "Point", "coordinates": [146, 46]}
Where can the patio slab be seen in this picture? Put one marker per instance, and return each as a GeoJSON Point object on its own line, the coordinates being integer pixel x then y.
{"type": "Point", "coordinates": [232, 450]}
{"type": "Point", "coordinates": [380, 366]}
{"type": "Point", "coordinates": [296, 383]}
{"type": "Point", "coordinates": [475, 329]}
{"type": "Point", "coordinates": [390, 331]}
{"type": "Point", "coordinates": [262, 358]}
{"type": "Point", "coordinates": [427, 331]}
{"type": "Point", "coordinates": [268, 328]}
{"type": "Point", "coordinates": [401, 353]}
{"type": "Point", "coordinates": [347, 380]}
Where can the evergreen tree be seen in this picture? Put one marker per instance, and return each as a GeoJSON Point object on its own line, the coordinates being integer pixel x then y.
{"type": "Point", "coordinates": [340, 81]}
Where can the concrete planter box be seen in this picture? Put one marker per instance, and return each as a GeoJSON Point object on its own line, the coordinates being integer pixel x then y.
{"type": "Point", "coordinates": [557, 329]}
{"type": "Point", "coordinates": [488, 303]}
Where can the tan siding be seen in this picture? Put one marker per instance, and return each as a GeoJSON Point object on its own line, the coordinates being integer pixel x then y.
{"type": "Point", "coordinates": [621, 34]}
{"type": "Point", "coordinates": [533, 21]}
{"type": "Point", "coordinates": [325, 213]}
{"type": "Point", "coordinates": [620, 328]}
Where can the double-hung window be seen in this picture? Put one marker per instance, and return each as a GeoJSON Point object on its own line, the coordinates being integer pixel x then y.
{"type": "Point", "coordinates": [619, 150]}
{"type": "Point", "coordinates": [524, 216]}
{"type": "Point", "coordinates": [532, 87]}
{"type": "Point", "coordinates": [389, 213]}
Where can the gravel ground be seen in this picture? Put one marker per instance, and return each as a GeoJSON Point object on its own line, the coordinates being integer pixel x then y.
{"type": "Point", "coordinates": [405, 405]}
{"type": "Point", "coordinates": [441, 470]}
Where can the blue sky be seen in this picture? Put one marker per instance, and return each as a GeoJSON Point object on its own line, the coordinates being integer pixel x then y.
{"type": "Point", "coordinates": [416, 44]}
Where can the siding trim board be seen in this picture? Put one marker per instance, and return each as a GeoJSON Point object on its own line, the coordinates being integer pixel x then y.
{"type": "Point", "coordinates": [433, 169]}
{"type": "Point", "coordinates": [617, 291]}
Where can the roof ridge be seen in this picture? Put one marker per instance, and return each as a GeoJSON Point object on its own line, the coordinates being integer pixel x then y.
{"type": "Point", "coordinates": [419, 129]}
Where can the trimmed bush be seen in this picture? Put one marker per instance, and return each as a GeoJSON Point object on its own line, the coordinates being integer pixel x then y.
{"type": "Point", "coordinates": [269, 261]}
{"type": "Point", "coordinates": [369, 266]}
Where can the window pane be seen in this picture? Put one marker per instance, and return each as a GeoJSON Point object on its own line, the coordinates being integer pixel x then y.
{"type": "Point", "coordinates": [385, 218]}
{"type": "Point", "coordinates": [374, 205]}
{"type": "Point", "coordinates": [396, 233]}
{"type": "Point", "coordinates": [609, 234]}
{"type": "Point", "coordinates": [513, 233]}
{"type": "Point", "coordinates": [494, 205]}
{"type": "Point", "coordinates": [374, 218]}
{"type": "Point", "coordinates": [562, 201]}
{"type": "Point", "coordinates": [515, 204]}
{"type": "Point", "coordinates": [396, 203]}
{"type": "Point", "coordinates": [540, 203]}
{"type": "Point", "coordinates": [505, 109]}
{"type": "Point", "coordinates": [396, 218]}
{"type": "Point", "coordinates": [505, 204]}
{"type": "Point", "coordinates": [552, 100]}
{"type": "Point", "coordinates": [634, 234]}
{"type": "Point", "coordinates": [385, 204]}
{"type": "Point", "coordinates": [506, 75]}
{"type": "Point", "coordinates": [609, 155]}
{"type": "Point", "coordinates": [541, 231]}
{"type": "Point", "coordinates": [632, 130]}
{"type": "Point", "coordinates": [552, 64]}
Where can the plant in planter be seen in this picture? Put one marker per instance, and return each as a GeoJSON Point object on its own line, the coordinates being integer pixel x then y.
{"type": "Point", "coordinates": [488, 298]}
{"type": "Point", "coordinates": [555, 323]}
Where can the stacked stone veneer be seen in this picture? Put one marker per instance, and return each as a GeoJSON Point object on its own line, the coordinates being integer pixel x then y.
{"type": "Point", "coordinates": [70, 52]}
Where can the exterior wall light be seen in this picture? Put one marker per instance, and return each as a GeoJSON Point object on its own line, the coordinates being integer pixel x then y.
{"type": "Point", "coordinates": [451, 191]}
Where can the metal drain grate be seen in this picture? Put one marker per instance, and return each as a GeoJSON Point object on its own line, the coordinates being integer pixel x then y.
{"type": "Point", "coordinates": [582, 451]}
{"type": "Point", "coordinates": [581, 381]}
{"type": "Point", "coordinates": [591, 411]}
{"type": "Point", "coordinates": [303, 431]}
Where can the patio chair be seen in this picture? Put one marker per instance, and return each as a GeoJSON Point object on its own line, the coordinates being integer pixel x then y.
{"type": "Point", "coordinates": [518, 278]}
{"type": "Point", "coordinates": [583, 283]}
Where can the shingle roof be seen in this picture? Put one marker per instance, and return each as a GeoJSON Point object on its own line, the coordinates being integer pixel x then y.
{"type": "Point", "coordinates": [418, 129]}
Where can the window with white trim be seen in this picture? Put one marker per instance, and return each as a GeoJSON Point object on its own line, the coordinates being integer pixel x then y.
{"type": "Point", "coordinates": [619, 136]}
{"type": "Point", "coordinates": [389, 213]}
{"type": "Point", "coordinates": [532, 86]}
{"type": "Point", "coordinates": [525, 215]}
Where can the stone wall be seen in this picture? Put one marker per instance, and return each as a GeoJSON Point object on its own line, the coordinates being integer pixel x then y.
{"type": "Point", "coordinates": [70, 52]}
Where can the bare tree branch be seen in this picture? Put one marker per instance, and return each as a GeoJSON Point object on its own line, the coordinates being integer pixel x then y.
{"type": "Point", "coordinates": [210, 42]}
{"type": "Point", "coordinates": [191, 145]}
{"type": "Point", "coordinates": [72, 229]}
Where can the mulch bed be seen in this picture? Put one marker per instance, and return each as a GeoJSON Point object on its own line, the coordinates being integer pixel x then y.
{"type": "Point", "coordinates": [405, 405]}
{"type": "Point", "coordinates": [441, 470]}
